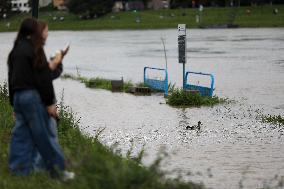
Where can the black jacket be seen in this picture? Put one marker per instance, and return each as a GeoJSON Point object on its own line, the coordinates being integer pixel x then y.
{"type": "Point", "coordinates": [23, 75]}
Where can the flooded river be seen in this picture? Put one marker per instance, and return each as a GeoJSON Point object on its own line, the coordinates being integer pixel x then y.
{"type": "Point", "coordinates": [232, 150]}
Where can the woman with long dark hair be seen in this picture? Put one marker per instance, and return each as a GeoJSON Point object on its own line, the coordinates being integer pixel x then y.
{"type": "Point", "coordinates": [32, 96]}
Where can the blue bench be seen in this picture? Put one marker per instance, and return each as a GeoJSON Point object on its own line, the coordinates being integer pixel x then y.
{"type": "Point", "coordinates": [204, 91]}
{"type": "Point", "coordinates": [161, 85]}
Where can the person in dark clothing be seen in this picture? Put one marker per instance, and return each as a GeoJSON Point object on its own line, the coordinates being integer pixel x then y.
{"type": "Point", "coordinates": [32, 96]}
{"type": "Point", "coordinates": [56, 70]}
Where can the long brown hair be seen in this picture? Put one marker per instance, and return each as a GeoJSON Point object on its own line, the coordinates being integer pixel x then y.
{"type": "Point", "coordinates": [29, 29]}
{"type": "Point", "coordinates": [40, 60]}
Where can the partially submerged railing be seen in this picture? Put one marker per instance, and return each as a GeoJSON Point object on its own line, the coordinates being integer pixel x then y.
{"type": "Point", "coordinates": [203, 90]}
{"type": "Point", "coordinates": [161, 85]}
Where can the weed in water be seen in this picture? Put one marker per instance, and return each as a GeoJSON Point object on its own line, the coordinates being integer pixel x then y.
{"type": "Point", "coordinates": [181, 98]}
{"type": "Point", "coordinates": [274, 119]}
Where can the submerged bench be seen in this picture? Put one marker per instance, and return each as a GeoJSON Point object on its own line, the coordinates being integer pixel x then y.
{"type": "Point", "coordinates": [161, 85]}
{"type": "Point", "coordinates": [203, 90]}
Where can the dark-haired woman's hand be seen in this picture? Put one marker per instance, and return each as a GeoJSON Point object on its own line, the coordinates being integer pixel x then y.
{"type": "Point", "coordinates": [57, 59]}
{"type": "Point", "coordinates": [52, 110]}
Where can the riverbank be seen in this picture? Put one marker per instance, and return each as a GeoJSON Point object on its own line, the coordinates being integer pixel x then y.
{"type": "Point", "coordinates": [95, 165]}
{"type": "Point", "coordinates": [232, 144]}
{"type": "Point", "coordinates": [254, 17]}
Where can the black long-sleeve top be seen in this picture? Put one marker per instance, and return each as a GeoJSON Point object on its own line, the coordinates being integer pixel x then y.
{"type": "Point", "coordinates": [23, 75]}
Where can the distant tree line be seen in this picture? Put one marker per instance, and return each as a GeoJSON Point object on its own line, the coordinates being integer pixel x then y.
{"type": "Point", "coordinates": [90, 8]}
{"type": "Point", "coordinates": [221, 3]}
{"type": "Point", "coordinates": [96, 8]}
{"type": "Point", "coordinates": [5, 7]}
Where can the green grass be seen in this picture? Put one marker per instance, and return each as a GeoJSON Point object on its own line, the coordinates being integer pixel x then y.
{"type": "Point", "coordinates": [184, 99]}
{"type": "Point", "coordinates": [261, 16]}
{"type": "Point", "coordinates": [100, 83]}
{"type": "Point", "coordinates": [97, 83]}
{"type": "Point", "coordinates": [274, 119]}
{"type": "Point", "coordinates": [96, 166]}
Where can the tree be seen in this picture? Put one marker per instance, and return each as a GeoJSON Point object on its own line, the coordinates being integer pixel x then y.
{"type": "Point", "coordinates": [179, 4]}
{"type": "Point", "coordinates": [5, 7]}
{"type": "Point", "coordinates": [90, 8]}
{"type": "Point", "coordinates": [145, 3]}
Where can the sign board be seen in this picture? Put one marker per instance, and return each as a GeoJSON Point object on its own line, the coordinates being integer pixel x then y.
{"type": "Point", "coordinates": [182, 43]}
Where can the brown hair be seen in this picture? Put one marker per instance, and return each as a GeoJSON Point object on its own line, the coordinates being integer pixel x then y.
{"type": "Point", "coordinates": [40, 60]}
{"type": "Point", "coordinates": [29, 29]}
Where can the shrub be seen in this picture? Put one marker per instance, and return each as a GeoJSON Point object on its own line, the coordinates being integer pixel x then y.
{"type": "Point", "coordinates": [181, 98]}
{"type": "Point", "coordinates": [90, 8]}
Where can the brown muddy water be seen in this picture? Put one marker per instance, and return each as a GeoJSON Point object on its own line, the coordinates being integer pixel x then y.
{"type": "Point", "coordinates": [233, 149]}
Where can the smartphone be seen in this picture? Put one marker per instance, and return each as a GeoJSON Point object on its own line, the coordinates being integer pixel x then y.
{"type": "Point", "coordinates": [66, 49]}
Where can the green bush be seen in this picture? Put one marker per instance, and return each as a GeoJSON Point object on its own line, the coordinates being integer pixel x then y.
{"type": "Point", "coordinates": [90, 8]}
{"type": "Point", "coordinates": [98, 83]}
{"type": "Point", "coordinates": [181, 98]}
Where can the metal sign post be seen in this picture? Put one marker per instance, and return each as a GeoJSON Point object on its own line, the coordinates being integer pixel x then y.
{"type": "Point", "coordinates": [35, 8]}
{"type": "Point", "coordinates": [182, 48]}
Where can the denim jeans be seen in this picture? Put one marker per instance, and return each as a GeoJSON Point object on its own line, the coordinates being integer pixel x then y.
{"type": "Point", "coordinates": [32, 134]}
{"type": "Point", "coordinates": [38, 162]}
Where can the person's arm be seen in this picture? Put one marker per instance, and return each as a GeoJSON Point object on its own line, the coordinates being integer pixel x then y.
{"type": "Point", "coordinates": [52, 111]}
{"type": "Point", "coordinates": [57, 72]}
{"type": "Point", "coordinates": [55, 61]}
{"type": "Point", "coordinates": [44, 85]}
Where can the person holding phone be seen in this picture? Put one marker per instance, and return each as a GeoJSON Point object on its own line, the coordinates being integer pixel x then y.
{"type": "Point", "coordinates": [32, 96]}
{"type": "Point", "coordinates": [56, 68]}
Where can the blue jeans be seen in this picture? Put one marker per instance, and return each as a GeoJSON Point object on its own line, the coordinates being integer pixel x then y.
{"type": "Point", "coordinates": [32, 134]}
{"type": "Point", "coordinates": [38, 162]}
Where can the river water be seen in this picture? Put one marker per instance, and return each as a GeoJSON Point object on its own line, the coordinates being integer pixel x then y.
{"type": "Point", "coordinates": [233, 149]}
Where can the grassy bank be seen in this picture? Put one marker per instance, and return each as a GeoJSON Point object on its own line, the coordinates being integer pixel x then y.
{"type": "Point", "coordinates": [261, 16]}
{"type": "Point", "coordinates": [95, 165]}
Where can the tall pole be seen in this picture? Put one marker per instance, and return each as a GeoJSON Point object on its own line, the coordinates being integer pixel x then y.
{"type": "Point", "coordinates": [182, 50]}
{"type": "Point", "coordinates": [35, 9]}
{"type": "Point", "coordinates": [183, 76]}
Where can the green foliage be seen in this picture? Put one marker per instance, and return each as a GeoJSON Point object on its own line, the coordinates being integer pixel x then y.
{"type": "Point", "coordinates": [90, 8]}
{"type": "Point", "coordinates": [181, 98]}
{"type": "Point", "coordinates": [5, 8]}
{"type": "Point", "coordinates": [179, 4]}
{"type": "Point", "coordinates": [98, 83]}
{"type": "Point", "coordinates": [49, 7]}
{"type": "Point", "coordinates": [95, 165]}
{"type": "Point", "coordinates": [274, 119]}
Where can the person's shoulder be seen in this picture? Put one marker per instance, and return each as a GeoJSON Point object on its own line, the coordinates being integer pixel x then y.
{"type": "Point", "coordinates": [25, 47]}
{"type": "Point", "coordinates": [25, 44]}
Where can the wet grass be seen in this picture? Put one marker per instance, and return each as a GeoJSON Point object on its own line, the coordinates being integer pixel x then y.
{"type": "Point", "coordinates": [273, 119]}
{"type": "Point", "coordinates": [100, 83]}
{"type": "Point", "coordinates": [95, 165]}
{"type": "Point", "coordinates": [184, 99]}
{"type": "Point", "coordinates": [97, 83]}
{"type": "Point", "coordinates": [259, 16]}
